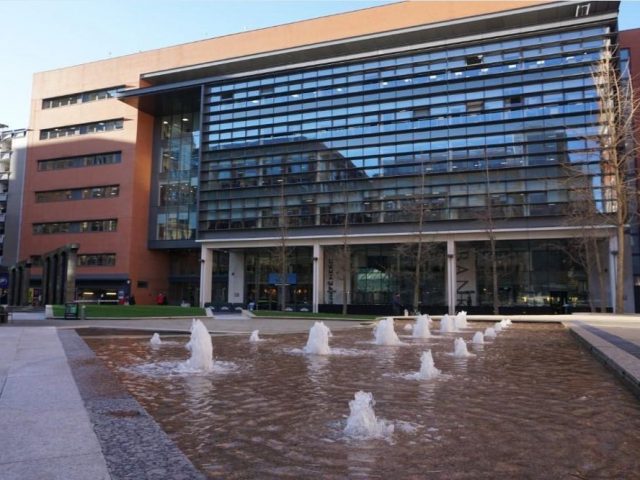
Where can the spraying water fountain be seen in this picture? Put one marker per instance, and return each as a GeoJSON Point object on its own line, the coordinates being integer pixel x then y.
{"type": "Point", "coordinates": [201, 348]}
{"type": "Point", "coordinates": [447, 325]}
{"type": "Point", "coordinates": [428, 369]}
{"type": "Point", "coordinates": [460, 320]}
{"type": "Point", "coordinates": [490, 332]}
{"type": "Point", "coordinates": [478, 339]}
{"type": "Point", "coordinates": [460, 348]}
{"type": "Point", "coordinates": [254, 337]}
{"type": "Point", "coordinates": [498, 327]}
{"type": "Point", "coordinates": [421, 328]}
{"type": "Point", "coordinates": [385, 334]}
{"type": "Point", "coordinates": [155, 340]}
{"type": "Point", "coordinates": [318, 341]}
{"type": "Point", "coordinates": [362, 422]}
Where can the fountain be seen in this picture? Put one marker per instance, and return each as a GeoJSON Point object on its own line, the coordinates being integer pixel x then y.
{"type": "Point", "coordinates": [318, 341]}
{"type": "Point", "coordinates": [428, 370]}
{"type": "Point", "coordinates": [201, 348]}
{"type": "Point", "coordinates": [385, 334]}
{"type": "Point", "coordinates": [460, 348]}
{"type": "Point", "coordinates": [490, 332]}
{"type": "Point", "coordinates": [155, 340]}
{"type": "Point", "coordinates": [505, 323]}
{"type": "Point", "coordinates": [252, 425]}
{"type": "Point", "coordinates": [478, 338]}
{"type": "Point", "coordinates": [460, 320]}
{"type": "Point", "coordinates": [362, 422]}
{"type": "Point", "coordinates": [497, 327]}
{"type": "Point", "coordinates": [255, 337]}
{"type": "Point", "coordinates": [421, 328]}
{"type": "Point", "coordinates": [447, 324]}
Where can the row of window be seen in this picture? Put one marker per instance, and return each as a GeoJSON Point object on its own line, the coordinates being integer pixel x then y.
{"type": "Point", "coordinates": [436, 127]}
{"type": "Point", "coordinates": [83, 226]}
{"type": "Point", "coordinates": [392, 199]}
{"type": "Point", "coordinates": [514, 181]}
{"type": "Point", "coordinates": [502, 73]}
{"type": "Point", "coordinates": [96, 260]}
{"type": "Point", "coordinates": [300, 218]}
{"type": "Point", "coordinates": [80, 161]}
{"type": "Point", "coordinates": [417, 96]}
{"type": "Point", "coordinates": [510, 48]}
{"type": "Point", "coordinates": [494, 100]}
{"type": "Point", "coordinates": [82, 97]}
{"type": "Point", "coordinates": [389, 147]}
{"type": "Point", "coordinates": [82, 129]}
{"type": "Point", "coordinates": [108, 191]}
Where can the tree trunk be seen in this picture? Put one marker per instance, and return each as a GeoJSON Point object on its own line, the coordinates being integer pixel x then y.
{"type": "Point", "coordinates": [619, 261]}
{"type": "Point", "coordinates": [283, 279]}
{"type": "Point", "coordinates": [494, 272]}
{"type": "Point", "coordinates": [601, 278]}
{"type": "Point", "coordinates": [416, 282]}
{"type": "Point", "coordinates": [346, 277]}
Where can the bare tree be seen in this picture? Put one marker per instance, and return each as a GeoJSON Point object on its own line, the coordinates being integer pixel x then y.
{"type": "Point", "coordinates": [586, 248]}
{"type": "Point", "coordinates": [343, 252]}
{"type": "Point", "coordinates": [420, 252]}
{"type": "Point", "coordinates": [586, 251]}
{"type": "Point", "coordinates": [618, 151]}
{"type": "Point", "coordinates": [281, 253]}
{"type": "Point", "coordinates": [488, 220]}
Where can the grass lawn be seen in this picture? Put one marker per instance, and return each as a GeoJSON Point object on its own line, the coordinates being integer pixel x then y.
{"type": "Point", "coordinates": [333, 316]}
{"type": "Point", "coordinates": [134, 311]}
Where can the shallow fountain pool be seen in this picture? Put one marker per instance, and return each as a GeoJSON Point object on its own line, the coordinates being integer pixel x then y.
{"type": "Point", "coordinates": [530, 403]}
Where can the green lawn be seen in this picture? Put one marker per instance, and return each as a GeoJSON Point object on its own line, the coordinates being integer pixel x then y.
{"type": "Point", "coordinates": [134, 311]}
{"type": "Point", "coordinates": [336, 316]}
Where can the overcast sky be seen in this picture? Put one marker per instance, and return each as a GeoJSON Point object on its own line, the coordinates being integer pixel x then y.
{"type": "Point", "coordinates": [38, 35]}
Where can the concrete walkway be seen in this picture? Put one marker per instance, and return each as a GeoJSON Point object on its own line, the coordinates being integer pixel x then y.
{"type": "Point", "coordinates": [63, 415]}
{"type": "Point", "coordinates": [45, 431]}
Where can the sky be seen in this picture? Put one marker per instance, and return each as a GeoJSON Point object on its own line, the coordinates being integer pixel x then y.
{"type": "Point", "coordinates": [39, 35]}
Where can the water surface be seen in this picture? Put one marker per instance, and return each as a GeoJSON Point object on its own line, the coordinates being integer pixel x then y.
{"type": "Point", "coordinates": [530, 404]}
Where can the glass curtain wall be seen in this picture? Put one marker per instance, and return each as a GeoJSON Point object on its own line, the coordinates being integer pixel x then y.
{"type": "Point", "coordinates": [495, 122]}
{"type": "Point", "coordinates": [530, 274]}
{"type": "Point", "coordinates": [262, 275]}
{"type": "Point", "coordinates": [178, 165]}
{"type": "Point", "coordinates": [380, 271]}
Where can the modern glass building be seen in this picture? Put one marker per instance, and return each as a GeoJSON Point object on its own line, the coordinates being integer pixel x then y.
{"type": "Point", "coordinates": [327, 162]}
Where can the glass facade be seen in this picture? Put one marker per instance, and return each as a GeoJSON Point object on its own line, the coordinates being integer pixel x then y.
{"type": "Point", "coordinates": [177, 165]}
{"type": "Point", "coordinates": [495, 123]}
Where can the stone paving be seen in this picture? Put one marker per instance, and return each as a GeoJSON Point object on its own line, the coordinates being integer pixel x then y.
{"type": "Point", "coordinates": [64, 416]}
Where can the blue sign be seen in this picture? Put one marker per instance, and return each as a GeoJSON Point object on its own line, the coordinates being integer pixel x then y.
{"type": "Point", "coordinates": [4, 280]}
{"type": "Point", "coordinates": [274, 278]}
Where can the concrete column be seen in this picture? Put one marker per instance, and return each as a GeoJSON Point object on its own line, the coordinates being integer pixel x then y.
{"type": "Point", "coordinates": [61, 262]}
{"type": "Point", "coordinates": [236, 277]}
{"type": "Point", "coordinates": [318, 276]}
{"type": "Point", "coordinates": [12, 286]}
{"type": "Point", "coordinates": [71, 257]}
{"type": "Point", "coordinates": [451, 276]}
{"type": "Point", "coordinates": [45, 280]}
{"type": "Point", "coordinates": [206, 273]}
{"type": "Point", "coordinates": [25, 280]}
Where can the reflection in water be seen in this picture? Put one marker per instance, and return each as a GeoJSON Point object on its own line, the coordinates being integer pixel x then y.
{"type": "Point", "coordinates": [530, 404]}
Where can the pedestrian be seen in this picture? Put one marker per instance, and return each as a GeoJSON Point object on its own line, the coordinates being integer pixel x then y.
{"type": "Point", "coordinates": [397, 304]}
